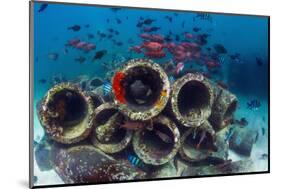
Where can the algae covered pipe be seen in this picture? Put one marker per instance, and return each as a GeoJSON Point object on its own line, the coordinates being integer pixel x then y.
{"type": "Point", "coordinates": [141, 89]}
{"type": "Point", "coordinates": [223, 109]}
{"type": "Point", "coordinates": [107, 133]}
{"type": "Point", "coordinates": [192, 99]}
{"type": "Point", "coordinates": [198, 143]}
{"type": "Point", "coordinates": [158, 143]}
{"type": "Point", "coordinates": [66, 113]}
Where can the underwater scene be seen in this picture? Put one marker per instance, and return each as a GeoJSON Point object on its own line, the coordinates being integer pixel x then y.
{"type": "Point", "coordinates": [127, 94]}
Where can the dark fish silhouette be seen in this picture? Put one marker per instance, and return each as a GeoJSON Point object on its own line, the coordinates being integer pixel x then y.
{"type": "Point", "coordinates": [254, 104]}
{"type": "Point", "coordinates": [43, 7]}
{"type": "Point", "coordinates": [259, 61]}
{"type": "Point", "coordinates": [228, 134]}
{"type": "Point", "coordinates": [262, 131]}
{"type": "Point", "coordinates": [196, 29]}
{"type": "Point", "coordinates": [87, 25]}
{"type": "Point", "coordinates": [74, 28]}
{"type": "Point", "coordinates": [90, 36]}
{"type": "Point", "coordinates": [80, 59]}
{"type": "Point", "coordinates": [139, 24]}
{"type": "Point", "coordinates": [220, 49]}
{"type": "Point", "coordinates": [99, 54]}
{"type": "Point", "coordinates": [257, 137]}
{"type": "Point", "coordinates": [168, 38]}
{"type": "Point", "coordinates": [43, 81]}
{"type": "Point", "coordinates": [118, 21]}
{"type": "Point", "coordinates": [119, 43]}
{"type": "Point", "coordinates": [115, 9]}
{"type": "Point", "coordinates": [111, 30]}
{"type": "Point", "coordinates": [117, 32]}
{"type": "Point", "coordinates": [264, 156]}
{"type": "Point", "coordinates": [202, 39]}
{"type": "Point", "coordinates": [203, 16]}
{"type": "Point", "coordinates": [169, 18]}
{"type": "Point", "coordinates": [148, 21]}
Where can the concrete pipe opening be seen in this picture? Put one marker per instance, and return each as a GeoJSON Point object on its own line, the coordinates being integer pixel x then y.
{"type": "Point", "coordinates": [65, 113]}
{"type": "Point", "coordinates": [141, 89]}
{"type": "Point", "coordinates": [193, 97]}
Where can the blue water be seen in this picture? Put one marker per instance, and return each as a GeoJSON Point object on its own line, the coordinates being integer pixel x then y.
{"type": "Point", "coordinates": [246, 35]}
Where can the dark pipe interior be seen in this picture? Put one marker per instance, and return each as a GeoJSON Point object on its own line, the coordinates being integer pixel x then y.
{"type": "Point", "coordinates": [142, 87]}
{"type": "Point", "coordinates": [230, 110]}
{"type": "Point", "coordinates": [104, 115]}
{"type": "Point", "coordinates": [70, 106]}
{"type": "Point", "coordinates": [96, 100]}
{"type": "Point", "coordinates": [159, 141]}
{"type": "Point", "coordinates": [193, 95]}
{"type": "Point", "coordinates": [193, 139]}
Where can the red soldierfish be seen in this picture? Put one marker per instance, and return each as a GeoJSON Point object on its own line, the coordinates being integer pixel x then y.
{"type": "Point", "coordinates": [203, 135]}
{"type": "Point", "coordinates": [132, 125]}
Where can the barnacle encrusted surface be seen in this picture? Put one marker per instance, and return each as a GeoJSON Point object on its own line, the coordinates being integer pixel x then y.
{"type": "Point", "coordinates": [153, 146]}
{"type": "Point", "coordinates": [107, 134]}
{"type": "Point", "coordinates": [152, 75]}
{"type": "Point", "coordinates": [66, 113]}
{"type": "Point", "coordinates": [192, 99]}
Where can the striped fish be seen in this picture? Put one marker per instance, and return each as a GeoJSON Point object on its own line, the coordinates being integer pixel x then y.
{"type": "Point", "coordinates": [107, 88]}
{"type": "Point", "coordinates": [135, 161]}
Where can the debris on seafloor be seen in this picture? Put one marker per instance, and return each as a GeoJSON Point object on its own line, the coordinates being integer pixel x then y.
{"type": "Point", "coordinates": [125, 134]}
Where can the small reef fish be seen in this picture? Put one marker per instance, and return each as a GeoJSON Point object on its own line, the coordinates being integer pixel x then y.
{"type": "Point", "coordinates": [179, 67]}
{"type": "Point", "coordinates": [254, 104]}
{"type": "Point", "coordinates": [169, 18]}
{"type": "Point", "coordinates": [118, 21]}
{"type": "Point", "coordinates": [256, 137]}
{"type": "Point", "coordinates": [262, 131]}
{"type": "Point", "coordinates": [259, 61]}
{"type": "Point", "coordinates": [132, 125]}
{"type": "Point", "coordinates": [99, 54]}
{"type": "Point", "coordinates": [242, 122]}
{"type": "Point", "coordinates": [43, 81]}
{"type": "Point", "coordinates": [264, 156]}
{"type": "Point", "coordinates": [196, 29]}
{"type": "Point", "coordinates": [80, 59]}
{"type": "Point", "coordinates": [151, 29]}
{"type": "Point", "coordinates": [203, 16]}
{"type": "Point", "coordinates": [115, 9]}
{"type": "Point", "coordinates": [53, 56]}
{"type": "Point", "coordinates": [165, 138]}
{"type": "Point", "coordinates": [228, 134]}
{"type": "Point", "coordinates": [148, 21]}
{"type": "Point", "coordinates": [106, 88]}
{"type": "Point", "coordinates": [220, 49]}
{"type": "Point", "coordinates": [74, 28]}
{"type": "Point", "coordinates": [43, 7]}
{"type": "Point", "coordinates": [202, 137]}
{"type": "Point", "coordinates": [135, 161]}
